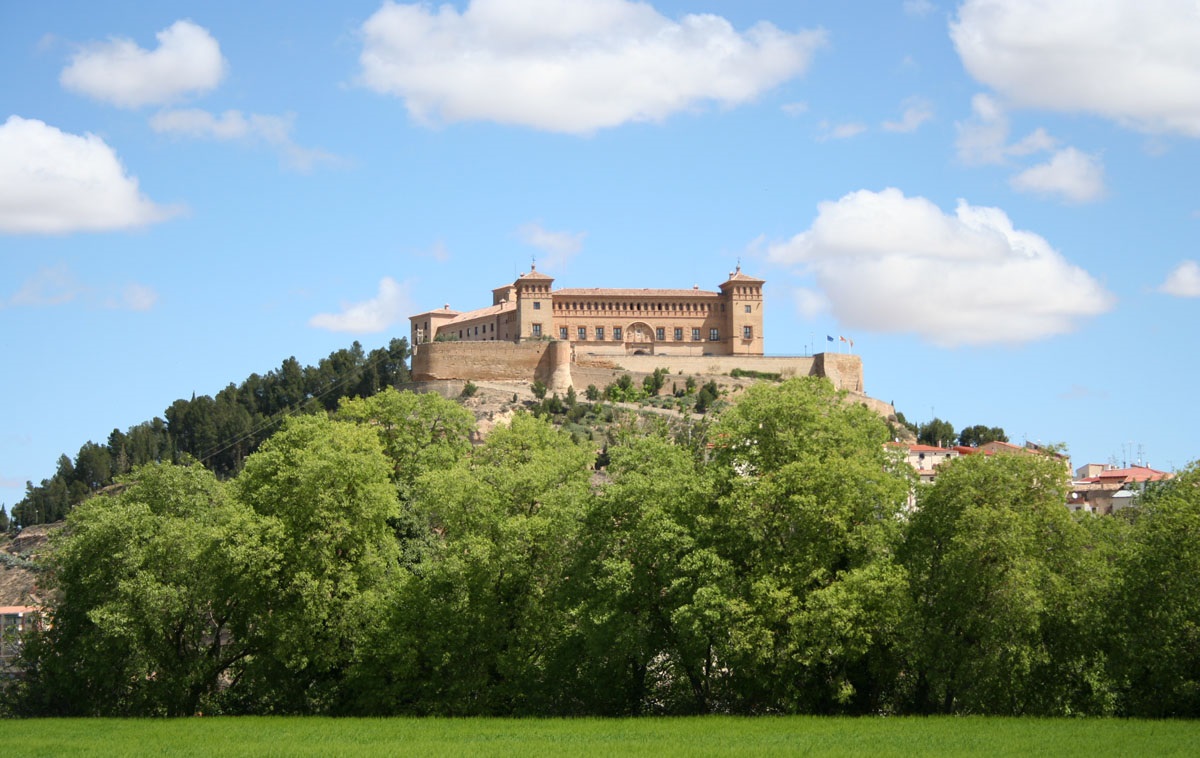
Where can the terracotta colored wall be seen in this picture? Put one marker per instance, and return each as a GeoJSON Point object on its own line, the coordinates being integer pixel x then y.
{"type": "Point", "coordinates": [494, 361]}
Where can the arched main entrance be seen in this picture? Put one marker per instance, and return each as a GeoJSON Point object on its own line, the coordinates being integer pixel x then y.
{"type": "Point", "coordinates": [639, 339]}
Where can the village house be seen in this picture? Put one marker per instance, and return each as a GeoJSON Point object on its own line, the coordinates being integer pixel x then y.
{"type": "Point", "coordinates": [1103, 490]}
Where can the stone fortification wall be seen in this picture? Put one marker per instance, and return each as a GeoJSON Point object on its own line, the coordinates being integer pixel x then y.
{"type": "Point", "coordinates": [845, 371]}
{"type": "Point", "coordinates": [449, 389]}
{"type": "Point", "coordinates": [549, 362]}
{"type": "Point", "coordinates": [878, 406]}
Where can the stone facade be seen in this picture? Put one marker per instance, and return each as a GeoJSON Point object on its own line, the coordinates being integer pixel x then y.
{"type": "Point", "coordinates": [546, 361]}
{"type": "Point", "coordinates": [557, 365]}
{"type": "Point", "coordinates": [575, 337]}
{"type": "Point", "coordinates": [610, 322]}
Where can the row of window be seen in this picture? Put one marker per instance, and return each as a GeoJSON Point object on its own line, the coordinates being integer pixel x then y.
{"type": "Point", "coordinates": [660, 333]}
{"type": "Point", "coordinates": [602, 306]}
{"type": "Point", "coordinates": [697, 307]}
{"type": "Point", "coordinates": [476, 334]}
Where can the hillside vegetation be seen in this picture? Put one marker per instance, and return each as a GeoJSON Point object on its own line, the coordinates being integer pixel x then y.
{"type": "Point", "coordinates": [217, 432]}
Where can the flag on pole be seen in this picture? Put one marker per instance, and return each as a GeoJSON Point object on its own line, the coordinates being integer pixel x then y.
{"type": "Point", "coordinates": [843, 339]}
{"type": "Point", "coordinates": [829, 337]}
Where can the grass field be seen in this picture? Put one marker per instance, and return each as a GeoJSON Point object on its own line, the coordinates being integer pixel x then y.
{"type": "Point", "coordinates": [716, 736]}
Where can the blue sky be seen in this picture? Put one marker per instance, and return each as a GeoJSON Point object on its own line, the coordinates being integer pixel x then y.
{"type": "Point", "coordinates": [995, 199]}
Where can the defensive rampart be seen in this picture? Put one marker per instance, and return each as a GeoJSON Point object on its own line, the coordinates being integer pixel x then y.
{"type": "Point", "coordinates": [545, 361]}
{"type": "Point", "coordinates": [844, 371]}
{"type": "Point", "coordinates": [553, 363]}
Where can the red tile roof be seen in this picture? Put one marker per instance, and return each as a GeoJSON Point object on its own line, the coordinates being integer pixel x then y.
{"type": "Point", "coordinates": [929, 449]}
{"type": "Point", "coordinates": [1131, 474]}
{"type": "Point", "coordinates": [490, 310]}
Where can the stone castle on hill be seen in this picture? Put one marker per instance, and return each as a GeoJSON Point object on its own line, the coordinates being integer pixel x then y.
{"type": "Point", "coordinates": [684, 322]}
{"type": "Point", "coordinates": [579, 336]}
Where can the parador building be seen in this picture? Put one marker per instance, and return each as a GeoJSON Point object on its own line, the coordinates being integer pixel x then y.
{"type": "Point", "coordinates": [603, 321]}
{"type": "Point", "coordinates": [579, 336]}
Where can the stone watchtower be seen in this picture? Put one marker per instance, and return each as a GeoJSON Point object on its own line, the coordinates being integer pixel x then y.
{"type": "Point", "coordinates": [535, 307]}
{"type": "Point", "coordinates": [743, 302]}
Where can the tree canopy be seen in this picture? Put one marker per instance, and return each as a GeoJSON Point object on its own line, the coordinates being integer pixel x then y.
{"type": "Point", "coordinates": [374, 557]}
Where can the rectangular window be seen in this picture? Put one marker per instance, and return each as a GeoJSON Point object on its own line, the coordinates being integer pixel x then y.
{"type": "Point", "coordinates": [562, 332]}
{"type": "Point", "coordinates": [695, 334]}
{"type": "Point", "coordinates": [679, 334]}
{"type": "Point", "coordinates": [599, 333]}
{"type": "Point", "coordinates": [537, 306]}
{"type": "Point", "coordinates": [747, 309]}
{"type": "Point", "coordinates": [714, 335]}
{"type": "Point", "coordinates": [583, 332]}
{"type": "Point", "coordinates": [617, 333]}
{"type": "Point", "coordinates": [747, 332]}
{"type": "Point", "coordinates": [537, 330]}
{"type": "Point", "coordinates": [660, 334]}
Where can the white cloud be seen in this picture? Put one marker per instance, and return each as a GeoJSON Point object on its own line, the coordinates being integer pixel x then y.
{"type": "Point", "coordinates": [49, 286]}
{"type": "Point", "coordinates": [983, 138]}
{"type": "Point", "coordinates": [847, 130]}
{"type": "Point", "coordinates": [188, 60]}
{"type": "Point", "coordinates": [810, 303]}
{"type": "Point", "coordinates": [1136, 62]}
{"type": "Point", "coordinates": [275, 131]}
{"type": "Point", "coordinates": [890, 263]}
{"type": "Point", "coordinates": [133, 297]}
{"type": "Point", "coordinates": [200, 124]}
{"type": "Point", "coordinates": [795, 109]}
{"type": "Point", "coordinates": [570, 66]}
{"type": "Point", "coordinates": [559, 247]}
{"type": "Point", "coordinates": [1069, 174]}
{"type": "Point", "coordinates": [1074, 176]}
{"type": "Point", "coordinates": [58, 285]}
{"type": "Point", "coordinates": [1037, 141]}
{"type": "Point", "coordinates": [916, 112]}
{"type": "Point", "coordinates": [1183, 281]}
{"type": "Point", "coordinates": [370, 316]}
{"type": "Point", "coordinates": [52, 182]}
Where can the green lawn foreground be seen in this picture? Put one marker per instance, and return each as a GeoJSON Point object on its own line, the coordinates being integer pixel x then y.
{"type": "Point", "coordinates": [659, 737]}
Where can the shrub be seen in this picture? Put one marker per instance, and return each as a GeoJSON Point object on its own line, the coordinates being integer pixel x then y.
{"type": "Point", "coordinates": [741, 372]}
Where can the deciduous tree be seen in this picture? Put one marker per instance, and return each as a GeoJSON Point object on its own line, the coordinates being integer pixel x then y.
{"type": "Point", "coordinates": [151, 615]}
{"type": "Point", "coordinates": [1157, 610]}
{"type": "Point", "coordinates": [475, 630]}
{"type": "Point", "coordinates": [810, 514]}
{"type": "Point", "coordinates": [1001, 581]}
{"type": "Point", "coordinates": [323, 490]}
